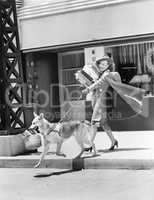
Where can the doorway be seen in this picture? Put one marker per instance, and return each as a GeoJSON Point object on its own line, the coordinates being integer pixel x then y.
{"type": "Point", "coordinates": [41, 77]}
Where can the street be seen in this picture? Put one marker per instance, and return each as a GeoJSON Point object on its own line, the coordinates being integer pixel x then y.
{"type": "Point", "coordinates": [20, 184]}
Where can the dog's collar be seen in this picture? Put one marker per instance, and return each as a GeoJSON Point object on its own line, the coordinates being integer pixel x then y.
{"type": "Point", "coordinates": [53, 130]}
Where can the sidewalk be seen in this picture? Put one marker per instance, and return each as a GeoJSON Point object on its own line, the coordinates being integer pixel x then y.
{"type": "Point", "coordinates": [136, 151]}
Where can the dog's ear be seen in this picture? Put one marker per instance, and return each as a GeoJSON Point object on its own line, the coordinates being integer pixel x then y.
{"type": "Point", "coordinates": [35, 115]}
{"type": "Point", "coordinates": [41, 115]}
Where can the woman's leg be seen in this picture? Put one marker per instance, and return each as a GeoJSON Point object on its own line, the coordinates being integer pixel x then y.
{"type": "Point", "coordinates": [100, 116]}
{"type": "Point", "coordinates": [104, 124]}
{"type": "Point", "coordinates": [94, 126]}
{"type": "Point", "coordinates": [95, 118]}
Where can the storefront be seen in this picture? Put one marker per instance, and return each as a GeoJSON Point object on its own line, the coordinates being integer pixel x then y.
{"type": "Point", "coordinates": [59, 37]}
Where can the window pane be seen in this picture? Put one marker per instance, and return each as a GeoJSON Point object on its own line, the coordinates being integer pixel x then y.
{"type": "Point", "coordinates": [74, 60]}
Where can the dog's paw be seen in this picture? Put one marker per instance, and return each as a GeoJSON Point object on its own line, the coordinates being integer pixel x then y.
{"type": "Point", "coordinates": [94, 154]}
{"type": "Point", "coordinates": [61, 154]}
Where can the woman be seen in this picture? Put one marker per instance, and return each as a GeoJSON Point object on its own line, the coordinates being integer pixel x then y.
{"type": "Point", "coordinates": [99, 88]}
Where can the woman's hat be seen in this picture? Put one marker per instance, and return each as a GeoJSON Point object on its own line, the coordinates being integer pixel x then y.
{"type": "Point", "coordinates": [105, 57]}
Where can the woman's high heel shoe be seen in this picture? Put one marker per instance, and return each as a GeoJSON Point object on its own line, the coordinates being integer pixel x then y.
{"type": "Point", "coordinates": [115, 144]}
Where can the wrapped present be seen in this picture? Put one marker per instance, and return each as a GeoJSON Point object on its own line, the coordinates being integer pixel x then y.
{"type": "Point", "coordinates": [88, 75]}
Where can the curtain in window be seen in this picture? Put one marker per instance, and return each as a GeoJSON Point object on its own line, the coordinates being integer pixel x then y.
{"type": "Point", "coordinates": [133, 54]}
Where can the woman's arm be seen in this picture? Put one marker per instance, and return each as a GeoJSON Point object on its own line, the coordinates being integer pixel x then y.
{"type": "Point", "coordinates": [99, 81]}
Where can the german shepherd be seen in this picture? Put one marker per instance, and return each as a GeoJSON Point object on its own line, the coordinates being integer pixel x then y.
{"type": "Point", "coordinates": [83, 132]}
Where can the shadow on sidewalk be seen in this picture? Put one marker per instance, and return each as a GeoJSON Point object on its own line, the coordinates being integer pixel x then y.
{"type": "Point", "coordinates": [121, 149]}
{"type": "Point", "coordinates": [77, 165]}
{"type": "Point", "coordinates": [45, 174]}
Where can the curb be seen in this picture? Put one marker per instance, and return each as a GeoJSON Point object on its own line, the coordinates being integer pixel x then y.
{"type": "Point", "coordinates": [78, 164]}
{"type": "Point", "coordinates": [31, 162]}
{"type": "Point", "coordinates": [132, 164]}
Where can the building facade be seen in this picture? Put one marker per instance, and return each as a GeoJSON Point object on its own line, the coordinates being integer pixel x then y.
{"type": "Point", "coordinates": [59, 36]}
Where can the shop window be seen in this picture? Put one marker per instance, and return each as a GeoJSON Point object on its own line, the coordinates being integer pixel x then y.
{"type": "Point", "coordinates": [72, 106]}
{"type": "Point", "coordinates": [69, 63]}
{"type": "Point", "coordinates": [131, 63]}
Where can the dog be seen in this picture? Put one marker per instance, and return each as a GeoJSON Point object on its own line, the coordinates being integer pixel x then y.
{"type": "Point", "coordinates": [83, 132]}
